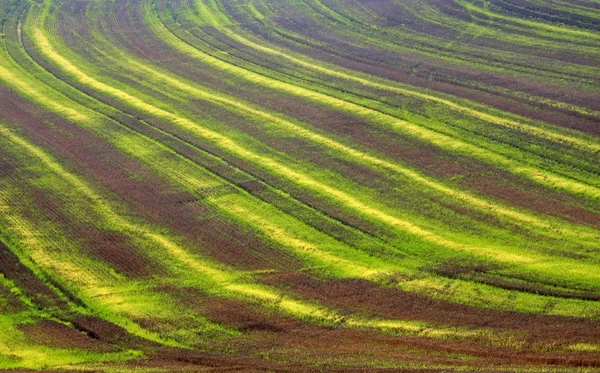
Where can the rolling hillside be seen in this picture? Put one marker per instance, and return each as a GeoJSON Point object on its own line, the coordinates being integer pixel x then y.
{"type": "Point", "coordinates": [300, 185]}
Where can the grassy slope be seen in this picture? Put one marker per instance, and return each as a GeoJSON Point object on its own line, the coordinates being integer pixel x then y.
{"type": "Point", "coordinates": [344, 210]}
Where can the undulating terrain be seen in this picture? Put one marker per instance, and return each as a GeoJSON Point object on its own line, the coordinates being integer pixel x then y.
{"type": "Point", "coordinates": [300, 185]}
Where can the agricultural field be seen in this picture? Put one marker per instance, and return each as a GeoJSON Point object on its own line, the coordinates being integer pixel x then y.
{"type": "Point", "coordinates": [300, 185]}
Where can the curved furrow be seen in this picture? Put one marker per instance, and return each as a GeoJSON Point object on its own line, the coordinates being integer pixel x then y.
{"type": "Point", "coordinates": [135, 65]}
{"type": "Point", "coordinates": [460, 54]}
{"type": "Point", "coordinates": [282, 31]}
{"type": "Point", "coordinates": [219, 280]}
{"type": "Point", "coordinates": [420, 232]}
{"type": "Point", "coordinates": [317, 184]}
{"type": "Point", "coordinates": [228, 102]}
{"type": "Point", "coordinates": [424, 134]}
{"type": "Point", "coordinates": [369, 209]}
{"type": "Point", "coordinates": [418, 284]}
{"type": "Point", "coordinates": [587, 144]}
{"type": "Point", "coordinates": [433, 72]}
